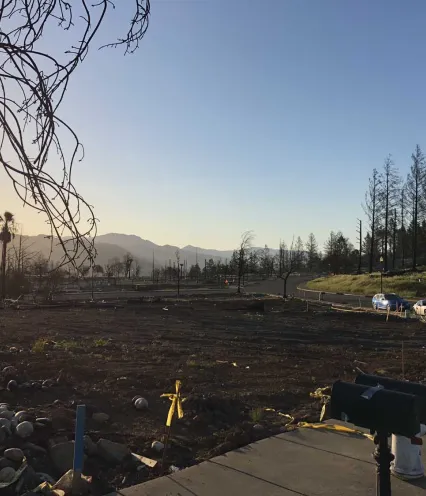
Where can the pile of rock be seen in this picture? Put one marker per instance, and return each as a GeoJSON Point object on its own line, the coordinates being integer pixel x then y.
{"type": "Point", "coordinates": [24, 465]}
{"type": "Point", "coordinates": [21, 424]}
{"type": "Point", "coordinates": [12, 380]}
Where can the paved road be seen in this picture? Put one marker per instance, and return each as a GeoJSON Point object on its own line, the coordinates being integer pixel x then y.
{"type": "Point", "coordinates": [112, 295]}
{"type": "Point", "coordinates": [294, 282]}
{"type": "Point", "coordinates": [270, 287]}
{"type": "Point", "coordinates": [277, 286]}
{"type": "Point", "coordinates": [363, 301]}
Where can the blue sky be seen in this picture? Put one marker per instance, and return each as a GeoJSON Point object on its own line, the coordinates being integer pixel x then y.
{"type": "Point", "coordinates": [237, 115]}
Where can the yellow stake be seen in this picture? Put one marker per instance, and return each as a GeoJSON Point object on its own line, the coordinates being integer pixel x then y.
{"type": "Point", "coordinates": [177, 401]}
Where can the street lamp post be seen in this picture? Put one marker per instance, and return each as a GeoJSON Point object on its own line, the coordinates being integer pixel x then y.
{"type": "Point", "coordinates": [381, 275]}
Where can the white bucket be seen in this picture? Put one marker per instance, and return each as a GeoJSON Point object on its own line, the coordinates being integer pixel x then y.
{"type": "Point", "coordinates": [408, 456]}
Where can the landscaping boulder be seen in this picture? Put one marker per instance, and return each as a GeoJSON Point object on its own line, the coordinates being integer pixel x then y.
{"type": "Point", "coordinates": [14, 454]}
{"type": "Point", "coordinates": [62, 456]}
{"type": "Point", "coordinates": [100, 417]}
{"type": "Point", "coordinates": [7, 474]}
{"type": "Point", "coordinates": [112, 452]}
{"type": "Point", "coordinates": [89, 446]}
{"type": "Point", "coordinates": [24, 429]}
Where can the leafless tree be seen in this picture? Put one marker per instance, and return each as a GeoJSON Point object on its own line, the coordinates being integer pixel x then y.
{"type": "Point", "coordinates": [415, 190]}
{"type": "Point", "coordinates": [108, 271]}
{"type": "Point", "coordinates": [245, 245]}
{"type": "Point", "coordinates": [20, 254]}
{"type": "Point", "coordinates": [177, 255]}
{"type": "Point", "coordinates": [288, 261]}
{"type": "Point", "coordinates": [371, 208]}
{"type": "Point", "coordinates": [402, 231]}
{"type": "Point", "coordinates": [137, 269]}
{"type": "Point", "coordinates": [312, 255]}
{"type": "Point", "coordinates": [388, 197]}
{"type": "Point", "coordinates": [127, 263]}
{"type": "Point", "coordinates": [33, 80]}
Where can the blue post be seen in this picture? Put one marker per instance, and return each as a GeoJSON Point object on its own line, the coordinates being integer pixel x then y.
{"type": "Point", "coordinates": [78, 447]}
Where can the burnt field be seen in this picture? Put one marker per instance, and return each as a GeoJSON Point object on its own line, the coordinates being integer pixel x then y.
{"type": "Point", "coordinates": [233, 362]}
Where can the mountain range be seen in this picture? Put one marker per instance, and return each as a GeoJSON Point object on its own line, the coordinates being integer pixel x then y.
{"type": "Point", "coordinates": [114, 245]}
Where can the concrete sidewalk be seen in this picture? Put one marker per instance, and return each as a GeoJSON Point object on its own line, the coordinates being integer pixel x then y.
{"type": "Point", "coordinates": [304, 462]}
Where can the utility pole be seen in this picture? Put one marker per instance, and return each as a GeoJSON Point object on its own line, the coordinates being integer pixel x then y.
{"type": "Point", "coordinates": [196, 261]}
{"type": "Point", "coordinates": [205, 269]}
{"type": "Point", "coordinates": [359, 232]}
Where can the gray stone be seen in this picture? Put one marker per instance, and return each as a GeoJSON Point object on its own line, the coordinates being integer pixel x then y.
{"type": "Point", "coordinates": [4, 406]}
{"type": "Point", "coordinates": [7, 474]}
{"type": "Point", "coordinates": [100, 417]}
{"type": "Point", "coordinates": [7, 414]}
{"type": "Point", "coordinates": [157, 446]}
{"type": "Point", "coordinates": [43, 420]}
{"type": "Point", "coordinates": [14, 454]}
{"type": "Point", "coordinates": [4, 432]}
{"type": "Point", "coordinates": [9, 371]}
{"type": "Point", "coordinates": [62, 456]}
{"type": "Point", "coordinates": [4, 422]}
{"type": "Point", "coordinates": [141, 404]}
{"type": "Point", "coordinates": [112, 452]}
{"type": "Point", "coordinates": [4, 462]}
{"type": "Point", "coordinates": [12, 385]}
{"type": "Point", "coordinates": [89, 446]}
{"type": "Point", "coordinates": [23, 415]}
{"type": "Point", "coordinates": [258, 427]}
{"type": "Point", "coordinates": [24, 429]}
{"type": "Point", "coordinates": [34, 449]}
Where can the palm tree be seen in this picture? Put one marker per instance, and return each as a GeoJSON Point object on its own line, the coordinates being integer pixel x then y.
{"type": "Point", "coordinates": [6, 235]}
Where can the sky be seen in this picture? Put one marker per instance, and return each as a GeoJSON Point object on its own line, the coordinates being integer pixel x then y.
{"type": "Point", "coordinates": [240, 115]}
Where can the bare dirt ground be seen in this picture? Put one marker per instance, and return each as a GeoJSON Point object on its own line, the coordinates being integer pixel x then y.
{"type": "Point", "coordinates": [233, 363]}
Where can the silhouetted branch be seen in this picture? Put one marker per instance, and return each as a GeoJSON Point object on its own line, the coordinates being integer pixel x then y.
{"type": "Point", "coordinates": [33, 83]}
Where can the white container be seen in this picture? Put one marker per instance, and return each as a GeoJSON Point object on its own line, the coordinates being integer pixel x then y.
{"type": "Point", "coordinates": [408, 463]}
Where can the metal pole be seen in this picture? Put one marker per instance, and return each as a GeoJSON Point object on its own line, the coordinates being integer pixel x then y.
{"type": "Point", "coordinates": [78, 448]}
{"type": "Point", "coordinates": [381, 282]}
{"type": "Point", "coordinates": [383, 457]}
{"type": "Point", "coordinates": [178, 281]}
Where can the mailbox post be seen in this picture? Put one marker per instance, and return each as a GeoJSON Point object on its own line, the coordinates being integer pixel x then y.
{"type": "Point", "coordinates": [383, 412]}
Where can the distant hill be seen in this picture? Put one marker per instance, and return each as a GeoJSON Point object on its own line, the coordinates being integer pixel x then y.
{"type": "Point", "coordinates": [118, 245]}
{"type": "Point", "coordinates": [146, 249]}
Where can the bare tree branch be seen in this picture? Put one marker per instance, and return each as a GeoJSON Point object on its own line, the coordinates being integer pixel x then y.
{"type": "Point", "coordinates": [33, 83]}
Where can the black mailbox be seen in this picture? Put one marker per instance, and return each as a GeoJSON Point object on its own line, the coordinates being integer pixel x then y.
{"type": "Point", "coordinates": [378, 409]}
{"type": "Point", "coordinates": [394, 385]}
